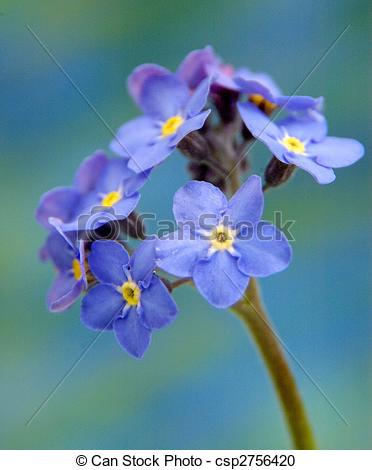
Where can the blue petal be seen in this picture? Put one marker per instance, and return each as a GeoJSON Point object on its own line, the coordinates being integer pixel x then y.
{"type": "Point", "coordinates": [266, 253]}
{"type": "Point", "coordinates": [107, 260]}
{"type": "Point", "coordinates": [126, 206]}
{"type": "Point", "coordinates": [219, 280]}
{"type": "Point", "coordinates": [197, 199]}
{"type": "Point", "coordinates": [63, 292]}
{"type": "Point", "coordinates": [257, 122]}
{"type": "Point", "coordinates": [113, 175]}
{"type": "Point", "coordinates": [148, 156]}
{"type": "Point", "coordinates": [59, 203]}
{"type": "Point", "coordinates": [193, 68]}
{"type": "Point", "coordinates": [322, 174]}
{"type": "Point", "coordinates": [178, 252]}
{"type": "Point", "coordinates": [59, 251]}
{"type": "Point", "coordinates": [89, 171]}
{"type": "Point", "coordinates": [163, 96]}
{"type": "Point", "coordinates": [133, 134]}
{"type": "Point", "coordinates": [247, 203]}
{"type": "Point", "coordinates": [192, 124]}
{"type": "Point", "coordinates": [299, 103]}
{"type": "Point", "coordinates": [254, 87]}
{"type": "Point", "coordinates": [132, 334]}
{"type": "Point", "coordinates": [337, 152]}
{"type": "Point", "coordinates": [142, 261]}
{"type": "Point", "coordinates": [198, 99]}
{"type": "Point", "coordinates": [157, 305]}
{"type": "Point", "coordinates": [101, 305]}
{"type": "Point", "coordinates": [139, 76]}
{"type": "Point", "coordinates": [309, 126]}
{"type": "Point", "coordinates": [247, 78]}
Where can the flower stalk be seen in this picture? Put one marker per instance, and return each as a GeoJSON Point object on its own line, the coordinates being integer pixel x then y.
{"type": "Point", "coordinates": [252, 313]}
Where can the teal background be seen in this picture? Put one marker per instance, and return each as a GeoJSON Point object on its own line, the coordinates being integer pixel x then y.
{"type": "Point", "coordinates": [201, 384]}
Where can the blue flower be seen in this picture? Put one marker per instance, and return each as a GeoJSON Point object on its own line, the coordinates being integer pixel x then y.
{"type": "Point", "coordinates": [193, 70]}
{"type": "Point", "coordinates": [171, 112]}
{"type": "Point", "coordinates": [102, 185]}
{"type": "Point", "coordinates": [302, 141]}
{"type": "Point", "coordinates": [221, 258]}
{"type": "Point", "coordinates": [71, 274]}
{"type": "Point", "coordinates": [130, 298]}
{"type": "Point", "coordinates": [265, 94]}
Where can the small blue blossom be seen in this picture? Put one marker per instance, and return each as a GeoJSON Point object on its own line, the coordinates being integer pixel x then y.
{"type": "Point", "coordinates": [192, 71]}
{"type": "Point", "coordinates": [100, 183]}
{"type": "Point", "coordinates": [69, 262]}
{"type": "Point", "coordinates": [129, 298]}
{"type": "Point", "coordinates": [303, 141]}
{"type": "Point", "coordinates": [171, 112]}
{"type": "Point", "coordinates": [220, 259]}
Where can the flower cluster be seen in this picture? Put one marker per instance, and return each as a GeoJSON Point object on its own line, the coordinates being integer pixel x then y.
{"type": "Point", "coordinates": [210, 112]}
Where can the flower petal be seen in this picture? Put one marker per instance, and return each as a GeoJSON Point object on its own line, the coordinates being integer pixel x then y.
{"type": "Point", "coordinates": [125, 206]}
{"type": "Point", "coordinates": [89, 171]}
{"type": "Point", "coordinates": [157, 305]}
{"type": "Point", "coordinates": [178, 252]}
{"type": "Point", "coordinates": [148, 156]}
{"type": "Point", "coordinates": [142, 261]}
{"type": "Point", "coordinates": [139, 76]}
{"type": "Point", "coordinates": [247, 203]}
{"type": "Point", "coordinates": [101, 305]}
{"type": "Point", "coordinates": [193, 68]}
{"type": "Point", "coordinates": [132, 334]}
{"type": "Point", "coordinates": [198, 99]}
{"type": "Point", "coordinates": [337, 152]}
{"type": "Point", "coordinates": [266, 253]}
{"type": "Point", "coordinates": [163, 96]}
{"type": "Point", "coordinates": [309, 126]}
{"type": "Point", "coordinates": [59, 203]}
{"type": "Point", "coordinates": [299, 103]}
{"type": "Point", "coordinates": [137, 132]}
{"type": "Point", "coordinates": [107, 260]}
{"type": "Point", "coordinates": [219, 280]}
{"type": "Point", "coordinates": [322, 174]}
{"type": "Point", "coordinates": [63, 292]}
{"type": "Point", "coordinates": [197, 200]}
{"type": "Point", "coordinates": [113, 175]}
{"type": "Point", "coordinates": [257, 122]}
{"type": "Point", "coordinates": [59, 251]}
{"type": "Point", "coordinates": [192, 124]}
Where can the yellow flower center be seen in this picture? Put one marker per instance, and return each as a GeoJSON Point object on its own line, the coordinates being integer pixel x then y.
{"type": "Point", "coordinates": [222, 238]}
{"type": "Point", "coordinates": [76, 269]}
{"type": "Point", "coordinates": [293, 144]}
{"type": "Point", "coordinates": [265, 105]}
{"type": "Point", "coordinates": [110, 199]}
{"type": "Point", "coordinates": [131, 292]}
{"type": "Point", "coordinates": [171, 125]}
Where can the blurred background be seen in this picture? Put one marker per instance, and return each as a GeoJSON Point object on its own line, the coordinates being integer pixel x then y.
{"type": "Point", "coordinates": [201, 384]}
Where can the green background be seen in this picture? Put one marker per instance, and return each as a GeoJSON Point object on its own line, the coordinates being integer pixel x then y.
{"type": "Point", "coordinates": [201, 384]}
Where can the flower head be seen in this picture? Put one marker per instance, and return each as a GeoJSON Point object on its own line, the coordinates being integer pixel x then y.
{"type": "Point", "coordinates": [171, 112]}
{"type": "Point", "coordinates": [222, 255]}
{"type": "Point", "coordinates": [192, 71]}
{"type": "Point", "coordinates": [129, 298]}
{"type": "Point", "coordinates": [302, 141]}
{"type": "Point", "coordinates": [101, 185]}
{"type": "Point", "coordinates": [71, 273]}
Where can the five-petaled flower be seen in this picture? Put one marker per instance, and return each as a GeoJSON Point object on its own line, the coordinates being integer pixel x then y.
{"type": "Point", "coordinates": [130, 298]}
{"type": "Point", "coordinates": [101, 185]}
{"type": "Point", "coordinates": [302, 141]}
{"type": "Point", "coordinates": [69, 261]}
{"type": "Point", "coordinates": [171, 112]}
{"type": "Point", "coordinates": [221, 259]}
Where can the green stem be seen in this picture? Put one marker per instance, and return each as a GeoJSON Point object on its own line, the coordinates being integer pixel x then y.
{"type": "Point", "coordinates": [252, 312]}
